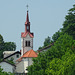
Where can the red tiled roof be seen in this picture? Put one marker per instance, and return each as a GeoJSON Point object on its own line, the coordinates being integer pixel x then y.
{"type": "Point", "coordinates": [30, 53]}
{"type": "Point", "coordinates": [24, 34]}
{"type": "Point", "coordinates": [20, 59]}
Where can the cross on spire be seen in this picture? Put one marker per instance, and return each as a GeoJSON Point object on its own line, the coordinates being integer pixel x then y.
{"type": "Point", "coordinates": [27, 7]}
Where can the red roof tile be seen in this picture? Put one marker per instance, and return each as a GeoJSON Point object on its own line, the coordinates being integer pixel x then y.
{"type": "Point", "coordinates": [30, 53]}
{"type": "Point", "coordinates": [24, 34]}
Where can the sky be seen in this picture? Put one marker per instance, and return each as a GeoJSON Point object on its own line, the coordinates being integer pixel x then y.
{"type": "Point", "coordinates": [46, 17]}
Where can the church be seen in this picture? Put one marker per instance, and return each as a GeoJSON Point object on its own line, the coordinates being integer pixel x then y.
{"type": "Point", "coordinates": [27, 52]}
{"type": "Point", "coordinates": [22, 59]}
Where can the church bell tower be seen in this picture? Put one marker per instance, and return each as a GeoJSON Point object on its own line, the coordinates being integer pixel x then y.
{"type": "Point", "coordinates": [26, 37]}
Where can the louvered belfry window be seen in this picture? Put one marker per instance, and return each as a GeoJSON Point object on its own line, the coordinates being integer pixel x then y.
{"type": "Point", "coordinates": [27, 43]}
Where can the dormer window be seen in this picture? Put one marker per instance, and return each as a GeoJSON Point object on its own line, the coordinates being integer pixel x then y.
{"type": "Point", "coordinates": [17, 56]}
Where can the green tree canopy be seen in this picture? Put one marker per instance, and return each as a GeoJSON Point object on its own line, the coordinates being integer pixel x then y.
{"type": "Point", "coordinates": [10, 46]}
{"type": "Point", "coordinates": [1, 43]}
{"type": "Point", "coordinates": [47, 41]}
{"type": "Point", "coordinates": [60, 58]}
{"type": "Point", "coordinates": [40, 65]}
{"type": "Point", "coordinates": [63, 66]}
{"type": "Point", "coordinates": [69, 23]}
{"type": "Point", "coordinates": [6, 46]}
{"type": "Point", "coordinates": [56, 36]}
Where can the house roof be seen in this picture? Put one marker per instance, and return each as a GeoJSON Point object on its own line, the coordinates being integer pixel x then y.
{"type": "Point", "coordinates": [30, 53]}
{"type": "Point", "coordinates": [17, 52]}
{"type": "Point", "coordinates": [24, 34]}
{"type": "Point", "coordinates": [47, 47]}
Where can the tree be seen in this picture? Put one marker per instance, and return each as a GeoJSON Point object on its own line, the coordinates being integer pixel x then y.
{"type": "Point", "coordinates": [1, 46]}
{"type": "Point", "coordinates": [56, 36]}
{"type": "Point", "coordinates": [63, 44]}
{"type": "Point", "coordinates": [6, 46]}
{"type": "Point", "coordinates": [69, 23]}
{"type": "Point", "coordinates": [40, 48]}
{"type": "Point", "coordinates": [60, 58]}
{"type": "Point", "coordinates": [64, 66]}
{"type": "Point", "coordinates": [1, 43]}
{"type": "Point", "coordinates": [10, 46]}
{"type": "Point", "coordinates": [47, 41]}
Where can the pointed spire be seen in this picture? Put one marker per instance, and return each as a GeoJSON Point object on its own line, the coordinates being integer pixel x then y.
{"type": "Point", "coordinates": [27, 19]}
{"type": "Point", "coordinates": [27, 24]}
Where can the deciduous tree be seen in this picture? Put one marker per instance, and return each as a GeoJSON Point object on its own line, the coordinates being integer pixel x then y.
{"type": "Point", "coordinates": [69, 23]}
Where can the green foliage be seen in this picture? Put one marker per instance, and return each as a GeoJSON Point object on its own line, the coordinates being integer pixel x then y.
{"type": "Point", "coordinates": [40, 47]}
{"type": "Point", "coordinates": [64, 66]}
{"type": "Point", "coordinates": [69, 23]}
{"type": "Point", "coordinates": [56, 36]}
{"type": "Point", "coordinates": [38, 66]}
{"type": "Point", "coordinates": [41, 64]}
{"type": "Point", "coordinates": [10, 46]}
{"type": "Point", "coordinates": [6, 46]}
{"type": "Point", "coordinates": [47, 41]}
{"type": "Point", "coordinates": [11, 60]}
{"type": "Point", "coordinates": [1, 46]}
{"type": "Point", "coordinates": [60, 58]}
{"type": "Point", "coordinates": [1, 43]}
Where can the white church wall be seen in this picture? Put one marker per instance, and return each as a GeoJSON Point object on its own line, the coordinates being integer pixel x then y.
{"type": "Point", "coordinates": [23, 43]}
{"type": "Point", "coordinates": [25, 66]}
{"type": "Point", "coordinates": [7, 67]}
{"type": "Point", "coordinates": [7, 53]}
{"type": "Point", "coordinates": [20, 67]}
{"type": "Point", "coordinates": [30, 61]}
{"type": "Point", "coordinates": [27, 62]}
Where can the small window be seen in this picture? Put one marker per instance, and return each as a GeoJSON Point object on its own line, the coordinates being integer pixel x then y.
{"type": "Point", "coordinates": [27, 27]}
{"type": "Point", "coordinates": [17, 56]}
{"type": "Point", "coordinates": [28, 43]}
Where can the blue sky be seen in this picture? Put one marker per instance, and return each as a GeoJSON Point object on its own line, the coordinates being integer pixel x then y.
{"type": "Point", "coordinates": [46, 18]}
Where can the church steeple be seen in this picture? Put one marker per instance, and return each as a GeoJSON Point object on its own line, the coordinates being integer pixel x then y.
{"type": "Point", "coordinates": [27, 37]}
{"type": "Point", "coordinates": [27, 24]}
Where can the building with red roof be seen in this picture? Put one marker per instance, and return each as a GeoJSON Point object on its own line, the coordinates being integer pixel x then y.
{"type": "Point", "coordinates": [25, 60]}
{"type": "Point", "coordinates": [26, 37]}
{"type": "Point", "coordinates": [22, 59]}
{"type": "Point", "coordinates": [27, 52]}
